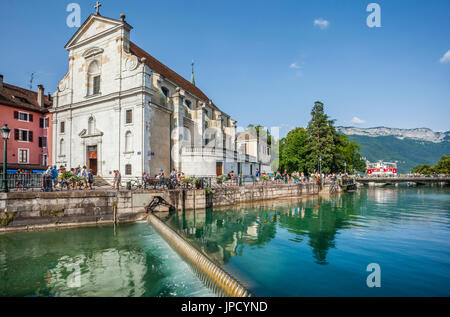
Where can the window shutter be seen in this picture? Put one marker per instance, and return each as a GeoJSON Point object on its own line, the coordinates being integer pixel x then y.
{"type": "Point", "coordinates": [16, 114]}
{"type": "Point", "coordinates": [31, 117]}
{"type": "Point", "coordinates": [41, 122]}
{"type": "Point", "coordinates": [40, 141]}
{"type": "Point", "coordinates": [16, 134]}
{"type": "Point", "coordinates": [30, 136]}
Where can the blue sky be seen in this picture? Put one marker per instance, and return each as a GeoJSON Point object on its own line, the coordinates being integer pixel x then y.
{"type": "Point", "coordinates": [267, 62]}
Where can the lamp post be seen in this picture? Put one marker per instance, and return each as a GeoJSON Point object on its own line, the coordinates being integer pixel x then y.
{"type": "Point", "coordinates": [5, 135]}
{"type": "Point", "coordinates": [320, 169]}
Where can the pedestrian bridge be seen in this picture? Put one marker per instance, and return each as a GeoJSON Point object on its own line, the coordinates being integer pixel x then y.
{"type": "Point", "coordinates": [404, 179]}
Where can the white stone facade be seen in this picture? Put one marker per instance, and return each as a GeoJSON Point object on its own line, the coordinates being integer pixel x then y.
{"type": "Point", "coordinates": [119, 108]}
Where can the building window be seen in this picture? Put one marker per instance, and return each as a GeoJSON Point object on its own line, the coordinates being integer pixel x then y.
{"type": "Point", "coordinates": [43, 141]}
{"type": "Point", "coordinates": [188, 104]}
{"type": "Point", "coordinates": [128, 142]}
{"type": "Point", "coordinates": [93, 78]}
{"type": "Point", "coordinates": [43, 123]}
{"type": "Point", "coordinates": [62, 126]}
{"type": "Point", "coordinates": [129, 116]}
{"type": "Point", "coordinates": [23, 156]}
{"type": "Point", "coordinates": [96, 85]}
{"type": "Point", "coordinates": [61, 147]}
{"type": "Point", "coordinates": [23, 135]}
{"type": "Point", "coordinates": [128, 169]}
{"type": "Point", "coordinates": [165, 91]}
{"type": "Point", "coordinates": [44, 159]}
{"type": "Point", "coordinates": [23, 116]}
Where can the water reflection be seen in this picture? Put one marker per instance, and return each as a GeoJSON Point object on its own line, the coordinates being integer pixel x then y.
{"type": "Point", "coordinates": [132, 261]}
{"type": "Point", "coordinates": [316, 221]}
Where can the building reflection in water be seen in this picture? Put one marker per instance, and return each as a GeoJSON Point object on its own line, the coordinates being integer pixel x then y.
{"type": "Point", "coordinates": [222, 234]}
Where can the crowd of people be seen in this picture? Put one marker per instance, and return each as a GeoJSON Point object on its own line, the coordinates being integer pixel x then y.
{"type": "Point", "coordinates": [57, 179]}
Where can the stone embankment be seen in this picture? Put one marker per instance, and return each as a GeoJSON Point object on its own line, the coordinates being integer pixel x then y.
{"type": "Point", "coordinates": [39, 210]}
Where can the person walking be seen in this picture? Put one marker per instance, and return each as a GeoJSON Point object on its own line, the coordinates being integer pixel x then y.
{"type": "Point", "coordinates": [90, 179]}
{"type": "Point", "coordinates": [54, 173]}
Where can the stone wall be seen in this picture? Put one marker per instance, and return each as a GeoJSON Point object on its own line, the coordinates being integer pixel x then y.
{"type": "Point", "coordinates": [36, 210]}
{"type": "Point", "coordinates": [227, 196]}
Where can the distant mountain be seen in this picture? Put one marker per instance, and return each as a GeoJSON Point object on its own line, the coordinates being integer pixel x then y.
{"type": "Point", "coordinates": [407, 147]}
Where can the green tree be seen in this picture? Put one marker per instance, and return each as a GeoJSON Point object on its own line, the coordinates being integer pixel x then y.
{"type": "Point", "coordinates": [293, 149]}
{"type": "Point", "coordinates": [301, 148]}
{"type": "Point", "coordinates": [321, 140]}
{"type": "Point", "coordinates": [442, 167]}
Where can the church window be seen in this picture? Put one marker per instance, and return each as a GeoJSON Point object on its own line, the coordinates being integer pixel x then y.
{"type": "Point", "coordinates": [165, 91]}
{"type": "Point", "coordinates": [188, 104]}
{"type": "Point", "coordinates": [62, 127]}
{"type": "Point", "coordinates": [94, 78]}
{"type": "Point", "coordinates": [129, 116]}
{"type": "Point", "coordinates": [128, 169]}
{"type": "Point", "coordinates": [96, 85]}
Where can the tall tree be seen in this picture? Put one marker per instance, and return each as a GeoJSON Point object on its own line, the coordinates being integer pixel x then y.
{"type": "Point", "coordinates": [294, 150]}
{"type": "Point", "coordinates": [321, 140]}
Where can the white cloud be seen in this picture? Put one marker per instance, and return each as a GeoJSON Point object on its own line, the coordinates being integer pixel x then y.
{"type": "Point", "coordinates": [357, 121]}
{"type": "Point", "coordinates": [321, 23]}
{"type": "Point", "coordinates": [445, 58]}
{"type": "Point", "coordinates": [294, 66]}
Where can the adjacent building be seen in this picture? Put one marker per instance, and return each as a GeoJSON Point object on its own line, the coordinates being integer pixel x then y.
{"type": "Point", "coordinates": [118, 107]}
{"type": "Point", "coordinates": [26, 114]}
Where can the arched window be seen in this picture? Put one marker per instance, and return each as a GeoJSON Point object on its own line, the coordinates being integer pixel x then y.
{"type": "Point", "coordinates": [188, 104]}
{"type": "Point", "coordinates": [61, 147]}
{"type": "Point", "coordinates": [94, 78]}
{"type": "Point", "coordinates": [91, 127]}
{"type": "Point", "coordinates": [128, 142]}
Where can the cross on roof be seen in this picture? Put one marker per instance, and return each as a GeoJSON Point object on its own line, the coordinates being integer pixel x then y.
{"type": "Point", "coordinates": [97, 8]}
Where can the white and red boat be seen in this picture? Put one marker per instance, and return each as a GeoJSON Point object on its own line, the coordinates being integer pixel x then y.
{"type": "Point", "coordinates": [381, 169]}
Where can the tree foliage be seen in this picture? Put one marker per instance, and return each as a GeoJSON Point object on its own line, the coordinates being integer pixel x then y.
{"type": "Point", "coordinates": [301, 148]}
{"type": "Point", "coordinates": [442, 167]}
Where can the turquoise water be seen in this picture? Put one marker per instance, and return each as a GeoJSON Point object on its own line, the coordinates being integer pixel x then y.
{"type": "Point", "coordinates": [322, 246]}
{"type": "Point", "coordinates": [131, 260]}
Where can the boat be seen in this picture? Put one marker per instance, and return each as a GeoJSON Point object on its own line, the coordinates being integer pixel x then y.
{"type": "Point", "coordinates": [381, 169]}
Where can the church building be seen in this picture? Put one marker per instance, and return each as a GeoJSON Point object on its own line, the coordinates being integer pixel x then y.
{"type": "Point", "coordinates": [120, 108]}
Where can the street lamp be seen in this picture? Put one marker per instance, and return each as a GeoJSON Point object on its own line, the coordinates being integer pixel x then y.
{"type": "Point", "coordinates": [320, 169]}
{"type": "Point", "coordinates": [5, 135]}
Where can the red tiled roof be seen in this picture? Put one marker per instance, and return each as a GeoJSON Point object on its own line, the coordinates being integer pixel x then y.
{"type": "Point", "coordinates": [23, 98]}
{"type": "Point", "coordinates": [166, 72]}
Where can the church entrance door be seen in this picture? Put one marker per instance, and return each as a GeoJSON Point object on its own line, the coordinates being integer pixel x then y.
{"type": "Point", "coordinates": [92, 158]}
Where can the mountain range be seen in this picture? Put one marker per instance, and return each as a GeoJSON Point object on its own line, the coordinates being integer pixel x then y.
{"type": "Point", "coordinates": [407, 147]}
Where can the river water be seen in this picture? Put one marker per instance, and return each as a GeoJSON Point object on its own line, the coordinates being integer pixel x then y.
{"type": "Point", "coordinates": [318, 246]}
{"type": "Point", "coordinates": [131, 260]}
{"type": "Point", "coordinates": [323, 246]}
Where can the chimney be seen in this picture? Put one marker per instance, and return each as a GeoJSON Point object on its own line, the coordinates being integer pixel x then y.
{"type": "Point", "coordinates": [1, 81]}
{"type": "Point", "coordinates": [40, 96]}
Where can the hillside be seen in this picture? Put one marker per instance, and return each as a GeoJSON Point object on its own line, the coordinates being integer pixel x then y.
{"type": "Point", "coordinates": [409, 147]}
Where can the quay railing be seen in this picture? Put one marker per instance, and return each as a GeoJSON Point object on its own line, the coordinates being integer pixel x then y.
{"type": "Point", "coordinates": [23, 181]}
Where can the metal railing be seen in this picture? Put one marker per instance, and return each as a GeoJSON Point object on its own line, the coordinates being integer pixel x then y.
{"type": "Point", "coordinates": [23, 181]}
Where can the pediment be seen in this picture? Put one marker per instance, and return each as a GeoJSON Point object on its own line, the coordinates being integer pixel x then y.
{"type": "Point", "coordinates": [94, 26]}
{"type": "Point", "coordinates": [92, 52]}
{"type": "Point", "coordinates": [84, 134]}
